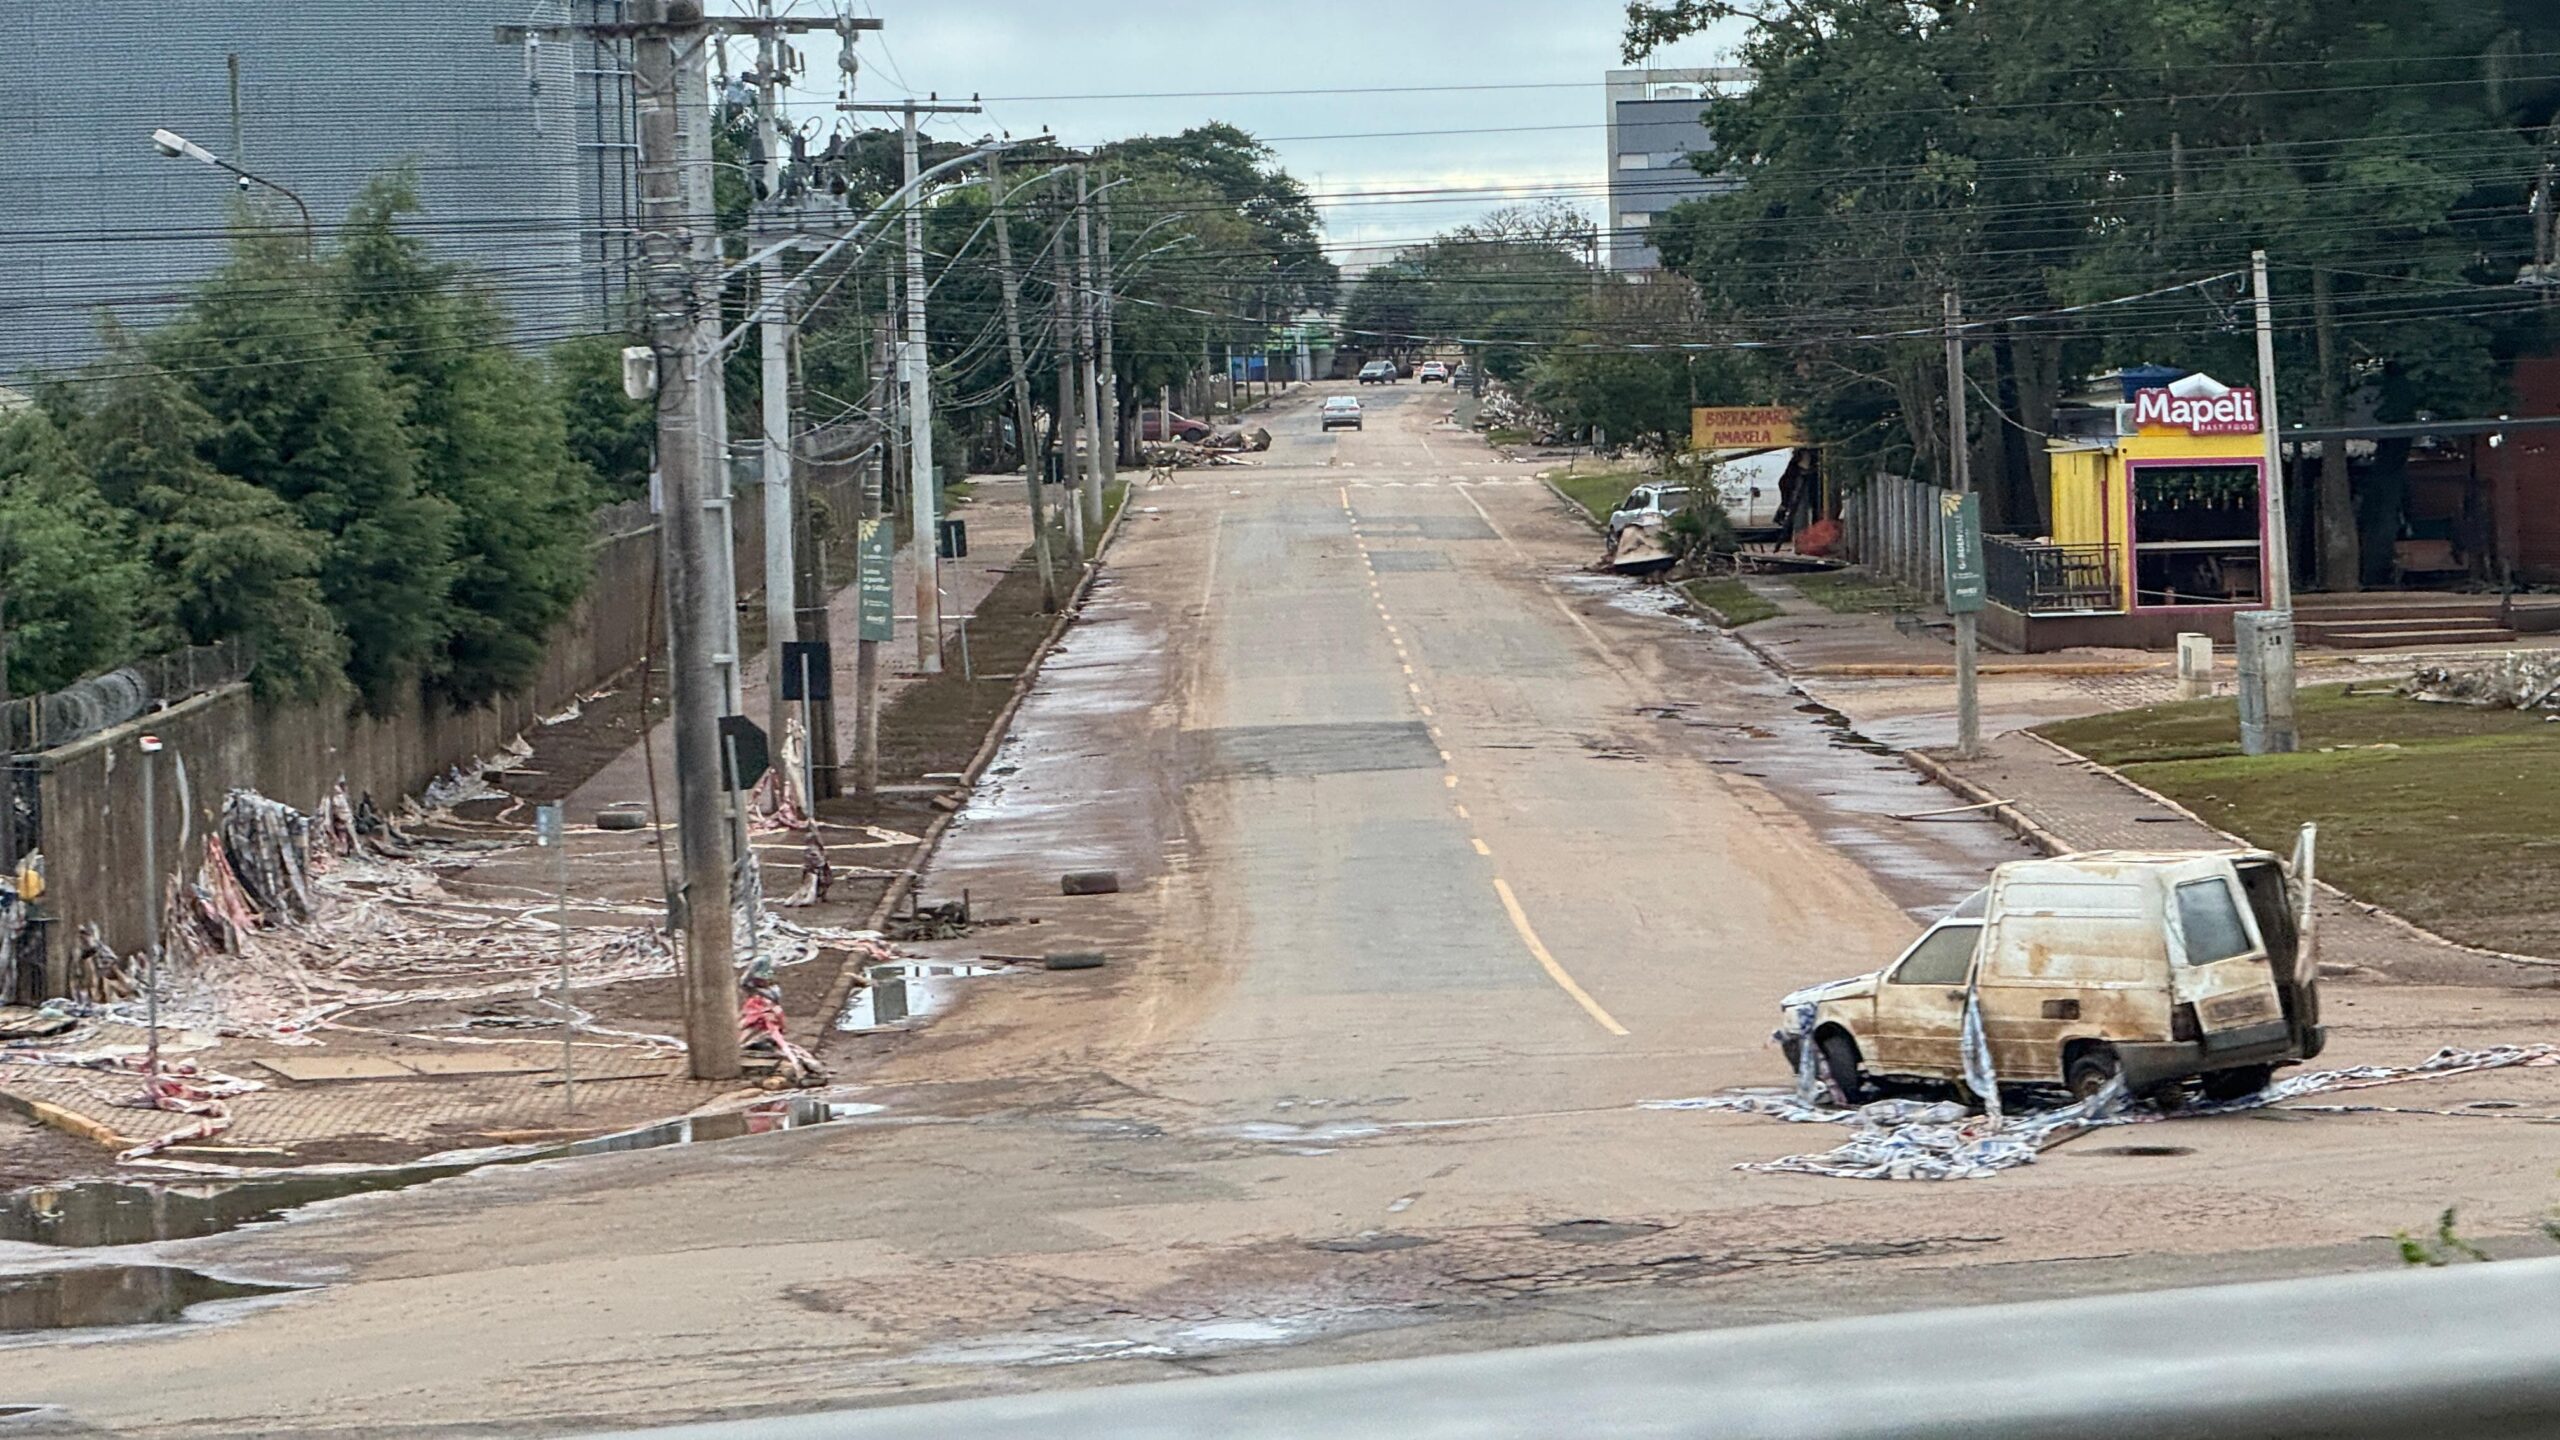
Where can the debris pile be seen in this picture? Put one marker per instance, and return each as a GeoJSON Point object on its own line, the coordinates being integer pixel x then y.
{"type": "Point", "coordinates": [1920, 1140]}
{"type": "Point", "coordinates": [2519, 680]}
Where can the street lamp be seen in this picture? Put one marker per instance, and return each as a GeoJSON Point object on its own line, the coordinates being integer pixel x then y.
{"type": "Point", "coordinates": [179, 147]}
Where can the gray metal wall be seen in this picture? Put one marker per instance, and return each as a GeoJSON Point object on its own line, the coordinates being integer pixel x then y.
{"type": "Point", "coordinates": [331, 93]}
{"type": "Point", "coordinates": [1896, 527]}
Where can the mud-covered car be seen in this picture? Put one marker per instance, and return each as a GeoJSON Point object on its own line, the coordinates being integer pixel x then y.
{"type": "Point", "coordinates": [2155, 967]}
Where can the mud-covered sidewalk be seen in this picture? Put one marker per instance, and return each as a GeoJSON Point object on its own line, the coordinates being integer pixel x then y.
{"type": "Point", "coordinates": [417, 1014]}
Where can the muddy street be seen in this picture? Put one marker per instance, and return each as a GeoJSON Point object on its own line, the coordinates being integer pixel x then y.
{"type": "Point", "coordinates": [1438, 858]}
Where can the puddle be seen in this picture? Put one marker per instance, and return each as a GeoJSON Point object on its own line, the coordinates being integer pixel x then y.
{"type": "Point", "coordinates": [104, 1213]}
{"type": "Point", "coordinates": [110, 1295]}
{"type": "Point", "coordinates": [1322, 1132]}
{"type": "Point", "coordinates": [118, 1212]}
{"type": "Point", "coordinates": [796, 1113]}
{"type": "Point", "coordinates": [2142, 1151]}
{"type": "Point", "coordinates": [906, 990]}
{"type": "Point", "coordinates": [1140, 1341]}
{"type": "Point", "coordinates": [1375, 1242]}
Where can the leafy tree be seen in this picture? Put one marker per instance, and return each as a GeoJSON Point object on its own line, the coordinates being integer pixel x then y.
{"type": "Point", "coordinates": [490, 441]}
{"type": "Point", "coordinates": [68, 577]}
{"type": "Point", "coordinates": [225, 559]}
{"type": "Point", "coordinates": [614, 437]}
{"type": "Point", "coordinates": [303, 408]}
{"type": "Point", "coordinates": [1294, 273]}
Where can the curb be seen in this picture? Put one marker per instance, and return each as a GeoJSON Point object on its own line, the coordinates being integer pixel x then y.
{"type": "Point", "coordinates": [1573, 506]}
{"type": "Point", "coordinates": [1972, 794]}
{"type": "Point", "coordinates": [997, 730]}
{"type": "Point", "coordinates": [1931, 670]}
{"type": "Point", "coordinates": [69, 1122]}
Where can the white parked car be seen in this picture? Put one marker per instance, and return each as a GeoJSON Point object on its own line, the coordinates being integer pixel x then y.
{"type": "Point", "coordinates": [1646, 505]}
{"type": "Point", "coordinates": [1341, 412]}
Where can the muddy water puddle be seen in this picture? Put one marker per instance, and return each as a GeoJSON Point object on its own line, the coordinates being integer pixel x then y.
{"type": "Point", "coordinates": [906, 990]}
{"type": "Point", "coordinates": [104, 1296]}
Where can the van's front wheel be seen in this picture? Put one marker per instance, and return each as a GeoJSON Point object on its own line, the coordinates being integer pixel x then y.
{"type": "Point", "coordinates": [2092, 1070]}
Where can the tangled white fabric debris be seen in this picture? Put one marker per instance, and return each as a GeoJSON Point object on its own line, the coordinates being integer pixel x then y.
{"type": "Point", "coordinates": [2518, 680]}
{"type": "Point", "coordinates": [1941, 1140]}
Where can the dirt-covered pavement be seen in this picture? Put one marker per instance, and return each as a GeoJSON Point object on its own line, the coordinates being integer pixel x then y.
{"type": "Point", "coordinates": [1439, 857]}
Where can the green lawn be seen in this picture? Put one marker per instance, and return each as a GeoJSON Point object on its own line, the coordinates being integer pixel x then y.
{"type": "Point", "coordinates": [1599, 492]}
{"type": "Point", "coordinates": [1852, 592]}
{"type": "Point", "coordinates": [1508, 435]}
{"type": "Point", "coordinates": [1733, 603]}
{"type": "Point", "coordinates": [2443, 813]}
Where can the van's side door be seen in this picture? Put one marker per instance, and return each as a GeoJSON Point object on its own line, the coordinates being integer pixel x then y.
{"type": "Point", "coordinates": [2218, 960]}
{"type": "Point", "coordinates": [1920, 1005]}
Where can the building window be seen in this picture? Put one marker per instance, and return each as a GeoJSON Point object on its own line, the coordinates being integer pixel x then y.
{"type": "Point", "coordinates": [2196, 534]}
{"type": "Point", "coordinates": [1634, 220]}
{"type": "Point", "coordinates": [1635, 162]}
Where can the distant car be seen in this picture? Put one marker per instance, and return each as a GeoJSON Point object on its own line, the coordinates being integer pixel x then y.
{"type": "Point", "coordinates": [1378, 372]}
{"type": "Point", "coordinates": [1432, 370]}
{"type": "Point", "coordinates": [1342, 412]}
{"type": "Point", "coordinates": [1465, 374]}
{"type": "Point", "coordinates": [1648, 506]}
{"type": "Point", "coordinates": [1151, 426]}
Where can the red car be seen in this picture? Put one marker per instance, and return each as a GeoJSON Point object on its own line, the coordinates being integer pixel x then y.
{"type": "Point", "coordinates": [1151, 426]}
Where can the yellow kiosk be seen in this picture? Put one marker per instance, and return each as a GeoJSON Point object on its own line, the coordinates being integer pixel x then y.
{"type": "Point", "coordinates": [2158, 528]}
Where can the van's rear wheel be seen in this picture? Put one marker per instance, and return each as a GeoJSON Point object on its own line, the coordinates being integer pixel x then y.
{"type": "Point", "coordinates": [2239, 1083]}
{"type": "Point", "coordinates": [2091, 1071]}
{"type": "Point", "coordinates": [1840, 1062]}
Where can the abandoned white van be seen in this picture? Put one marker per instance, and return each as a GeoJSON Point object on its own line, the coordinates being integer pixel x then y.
{"type": "Point", "coordinates": [2156, 966]}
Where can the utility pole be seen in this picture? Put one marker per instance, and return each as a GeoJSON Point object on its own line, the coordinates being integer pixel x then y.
{"type": "Point", "coordinates": [1085, 352]}
{"type": "Point", "coordinates": [916, 372]}
{"type": "Point", "coordinates": [811, 594]}
{"type": "Point", "coordinates": [673, 142]}
{"type": "Point", "coordinates": [1031, 458]}
{"type": "Point", "coordinates": [1070, 423]}
{"type": "Point", "coordinates": [875, 485]}
{"type": "Point", "coordinates": [1968, 637]}
{"type": "Point", "coordinates": [2273, 660]}
{"type": "Point", "coordinates": [1109, 370]}
{"type": "Point", "coordinates": [680, 255]}
{"type": "Point", "coordinates": [773, 339]}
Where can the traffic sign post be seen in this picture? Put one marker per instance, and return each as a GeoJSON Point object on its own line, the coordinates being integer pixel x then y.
{"type": "Point", "coordinates": [1966, 590]}
{"type": "Point", "coordinates": [808, 676]}
{"type": "Point", "coordinates": [876, 605]}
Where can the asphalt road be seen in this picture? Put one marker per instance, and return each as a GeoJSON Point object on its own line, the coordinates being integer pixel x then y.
{"type": "Point", "coordinates": [1440, 856]}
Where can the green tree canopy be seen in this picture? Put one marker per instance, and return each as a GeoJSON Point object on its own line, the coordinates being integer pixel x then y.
{"type": "Point", "coordinates": [69, 579]}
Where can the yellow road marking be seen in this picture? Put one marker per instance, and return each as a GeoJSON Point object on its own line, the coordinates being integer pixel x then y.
{"type": "Point", "coordinates": [1481, 847]}
{"type": "Point", "coordinates": [1462, 813]}
{"type": "Point", "coordinates": [1449, 780]}
{"type": "Point", "coordinates": [1555, 972]}
{"type": "Point", "coordinates": [1426, 710]}
{"type": "Point", "coordinates": [1416, 689]}
{"type": "Point", "coordinates": [1448, 759]}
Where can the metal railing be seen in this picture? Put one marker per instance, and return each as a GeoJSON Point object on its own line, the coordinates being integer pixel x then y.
{"type": "Point", "coordinates": [2035, 577]}
{"type": "Point", "coordinates": [100, 702]}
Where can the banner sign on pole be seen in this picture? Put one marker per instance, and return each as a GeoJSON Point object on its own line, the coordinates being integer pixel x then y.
{"type": "Point", "coordinates": [879, 612]}
{"type": "Point", "coordinates": [1966, 588]}
{"type": "Point", "coordinates": [1744, 427]}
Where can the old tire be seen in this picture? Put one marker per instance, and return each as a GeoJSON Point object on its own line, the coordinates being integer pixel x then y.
{"type": "Point", "coordinates": [1089, 882]}
{"type": "Point", "coordinates": [1840, 1062]}
{"type": "Point", "coordinates": [1073, 960]}
{"type": "Point", "coordinates": [622, 819]}
{"type": "Point", "coordinates": [2091, 1071]}
{"type": "Point", "coordinates": [2238, 1083]}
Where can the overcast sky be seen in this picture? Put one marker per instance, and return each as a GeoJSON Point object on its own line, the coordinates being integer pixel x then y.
{"type": "Point", "coordinates": [1539, 134]}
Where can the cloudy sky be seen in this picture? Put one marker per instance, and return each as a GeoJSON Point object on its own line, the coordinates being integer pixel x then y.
{"type": "Point", "coordinates": [1097, 71]}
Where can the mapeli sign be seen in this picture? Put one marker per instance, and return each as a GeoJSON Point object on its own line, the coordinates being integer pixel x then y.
{"type": "Point", "coordinates": [1744, 427]}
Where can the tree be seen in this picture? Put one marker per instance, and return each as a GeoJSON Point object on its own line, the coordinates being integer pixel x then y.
{"type": "Point", "coordinates": [68, 577]}
{"type": "Point", "coordinates": [225, 559]}
{"type": "Point", "coordinates": [302, 408]}
{"type": "Point", "coordinates": [1294, 273]}
{"type": "Point", "coordinates": [612, 436]}
{"type": "Point", "coordinates": [491, 445]}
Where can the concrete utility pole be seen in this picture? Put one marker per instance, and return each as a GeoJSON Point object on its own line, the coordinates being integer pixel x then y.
{"type": "Point", "coordinates": [876, 480]}
{"type": "Point", "coordinates": [1109, 371]}
{"type": "Point", "coordinates": [2272, 657]}
{"type": "Point", "coordinates": [1960, 453]}
{"type": "Point", "coordinates": [914, 368]}
{"type": "Point", "coordinates": [1085, 305]}
{"type": "Point", "coordinates": [773, 338]}
{"type": "Point", "coordinates": [1031, 457]}
{"type": "Point", "coordinates": [674, 141]}
{"type": "Point", "coordinates": [1070, 421]}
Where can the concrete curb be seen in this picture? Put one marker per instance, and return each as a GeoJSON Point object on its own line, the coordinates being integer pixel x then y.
{"type": "Point", "coordinates": [1972, 794]}
{"type": "Point", "coordinates": [1573, 506]}
{"type": "Point", "coordinates": [69, 1122]}
{"type": "Point", "coordinates": [1002, 725]}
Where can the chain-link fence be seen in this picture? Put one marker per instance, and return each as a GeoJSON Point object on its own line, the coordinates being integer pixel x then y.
{"type": "Point", "coordinates": [43, 722]}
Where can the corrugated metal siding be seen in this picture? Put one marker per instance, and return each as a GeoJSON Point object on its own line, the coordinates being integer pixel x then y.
{"type": "Point", "coordinates": [332, 92]}
{"type": "Point", "coordinates": [2080, 497]}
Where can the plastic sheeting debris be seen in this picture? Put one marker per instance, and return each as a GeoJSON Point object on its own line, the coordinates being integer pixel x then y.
{"type": "Point", "coordinates": [1904, 1139]}
{"type": "Point", "coordinates": [2519, 680]}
